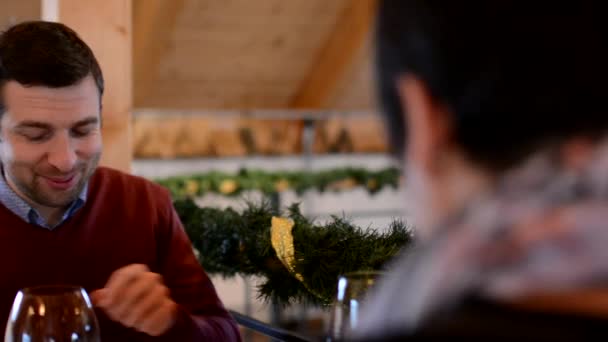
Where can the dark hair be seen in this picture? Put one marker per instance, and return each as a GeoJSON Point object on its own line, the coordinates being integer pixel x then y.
{"type": "Point", "coordinates": [49, 54]}
{"type": "Point", "coordinates": [515, 75]}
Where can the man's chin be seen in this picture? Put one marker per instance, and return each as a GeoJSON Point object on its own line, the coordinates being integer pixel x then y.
{"type": "Point", "coordinates": [57, 203]}
{"type": "Point", "coordinates": [58, 199]}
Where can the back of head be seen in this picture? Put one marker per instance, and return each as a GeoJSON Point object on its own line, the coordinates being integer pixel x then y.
{"type": "Point", "coordinates": [39, 53]}
{"type": "Point", "coordinates": [515, 75]}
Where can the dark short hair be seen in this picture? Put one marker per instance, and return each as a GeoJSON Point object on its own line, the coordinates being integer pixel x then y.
{"type": "Point", "coordinates": [515, 75]}
{"type": "Point", "coordinates": [39, 53]}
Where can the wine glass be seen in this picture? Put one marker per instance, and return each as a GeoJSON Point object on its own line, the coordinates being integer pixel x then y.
{"type": "Point", "coordinates": [52, 314]}
{"type": "Point", "coordinates": [352, 288]}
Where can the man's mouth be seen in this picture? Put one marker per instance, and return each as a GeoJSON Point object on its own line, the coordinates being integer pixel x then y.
{"type": "Point", "coordinates": [61, 182]}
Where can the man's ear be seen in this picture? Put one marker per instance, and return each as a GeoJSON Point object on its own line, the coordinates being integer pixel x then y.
{"type": "Point", "coordinates": [428, 123]}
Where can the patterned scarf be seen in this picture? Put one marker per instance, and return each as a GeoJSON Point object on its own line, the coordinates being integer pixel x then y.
{"type": "Point", "coordinates": [543, 228]}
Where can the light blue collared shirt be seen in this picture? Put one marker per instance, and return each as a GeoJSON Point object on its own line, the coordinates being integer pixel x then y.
{"type": "Point", "coordinates": [21, 208]}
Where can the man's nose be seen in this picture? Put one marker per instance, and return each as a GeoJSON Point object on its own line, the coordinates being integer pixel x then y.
{"type": "Point", "coordinates": [62, 154]}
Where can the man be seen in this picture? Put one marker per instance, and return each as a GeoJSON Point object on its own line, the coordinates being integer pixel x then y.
{"type": "Point", "coordinates": [64, 220]}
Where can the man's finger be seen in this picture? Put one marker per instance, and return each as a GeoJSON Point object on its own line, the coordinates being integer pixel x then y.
{"type": "Point", "coordinates": [135, 292]}
{"type": "Point", "coordinates": [160, 320]}
{"type": "Point", "coordinates": [119, 280]}
{"type": "Point", "coordinates": [147, 306]}
{"type": "Point", "coordinates": [98, 296]}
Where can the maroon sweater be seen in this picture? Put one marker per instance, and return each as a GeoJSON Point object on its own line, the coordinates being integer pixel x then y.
{"type": "Point", "coordinates": [125, 220]}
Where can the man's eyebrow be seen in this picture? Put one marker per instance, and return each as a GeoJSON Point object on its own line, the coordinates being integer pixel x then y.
{"type": "Point", "coordinates": [33, 124]}
{"type": "Point", "coordinates": [43, 125]}
{"type": "Point", "coordinates": [86, 122]}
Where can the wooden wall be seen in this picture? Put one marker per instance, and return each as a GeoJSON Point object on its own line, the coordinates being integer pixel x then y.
{"type": "Point", "coordinates": [14, 11]}
{"type": "Point", "coordinates": [180, 134]}
{"type": "Point", "coordinates": [217, 56]}
{"type": "Point", "coordinates": [105, 25]}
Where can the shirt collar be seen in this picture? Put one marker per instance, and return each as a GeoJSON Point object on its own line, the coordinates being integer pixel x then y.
{"type": "Point", "coordinates": [16, 204]}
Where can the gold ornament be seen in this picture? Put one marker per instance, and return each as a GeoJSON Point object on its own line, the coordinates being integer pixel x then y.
{"type": "Point", "coordinates": [281, 185]}
{"type": "Point", "coordinates": [228, 186]}
{"type": "Point", "coordinates": [191, 187]}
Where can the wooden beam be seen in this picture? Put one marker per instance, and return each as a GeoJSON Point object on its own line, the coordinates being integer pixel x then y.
{"type": "Point", "coordinates": [336, 55]}
{"type": "Point", "coordinates": [13, 12]}
{"type": "Point", "coordinates": [153, 24]}
{"type": "Point", "coordinates": [105, 25]}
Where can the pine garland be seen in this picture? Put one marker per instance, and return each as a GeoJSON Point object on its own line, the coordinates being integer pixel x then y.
{"type": "Point", "coordinates": [233, 184]}
{"type": "Point", "coordinates": [232, 243]}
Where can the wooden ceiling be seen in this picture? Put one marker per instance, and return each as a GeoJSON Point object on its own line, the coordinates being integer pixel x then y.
{"type": "Point", "coordinates": [244, 54]}
{"type": "Point", "coordinates": [219, 54]}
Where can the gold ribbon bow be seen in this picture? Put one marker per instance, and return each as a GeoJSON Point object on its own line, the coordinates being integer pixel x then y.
{"type": "Point", "coordinates": [282, 242]}
{"type": "Point", "coordinates": [281, 238]}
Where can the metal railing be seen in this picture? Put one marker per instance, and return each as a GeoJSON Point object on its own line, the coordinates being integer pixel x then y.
{"type": "Point", "coordinates": [267, 329]}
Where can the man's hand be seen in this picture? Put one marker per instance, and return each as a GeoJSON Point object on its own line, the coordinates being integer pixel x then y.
{"type": "Point", "coordinates": [137, 298]}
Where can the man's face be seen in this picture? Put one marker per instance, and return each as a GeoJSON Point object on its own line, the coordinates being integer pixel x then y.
{"type": "Point", "coordinates": [50, 140]}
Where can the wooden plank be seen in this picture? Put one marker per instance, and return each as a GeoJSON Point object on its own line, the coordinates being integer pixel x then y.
{"type": "Point", "coordinates": [105, 25]}
{"type": "Point", "coordinates": [186, 94]}
{"type": "Point", "coordinates": [12, 12]}
{"type": "Point", "coordinates": [337, 54]}
{"type": "Point", "coordinates": [356, 90]}
{"type": "Point", "coordinates": [153, 23]}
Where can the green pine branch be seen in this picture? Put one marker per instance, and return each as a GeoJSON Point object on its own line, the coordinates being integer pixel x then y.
{"type": "Point", "coordinates": [233, 184]}
{"type": "Point", "coordinates": [232, 243]}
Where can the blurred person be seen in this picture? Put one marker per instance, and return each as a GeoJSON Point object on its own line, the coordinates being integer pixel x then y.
{"type": "Point", "coordinates": [499, 111]}
{"type": "Point", "coordinates": [64, 220]}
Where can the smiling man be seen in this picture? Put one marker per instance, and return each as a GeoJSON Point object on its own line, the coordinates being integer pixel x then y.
{"type": "Point", "coordinates": [64, 220]}
{"type": "Point", "coordinates": [51, 146]}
